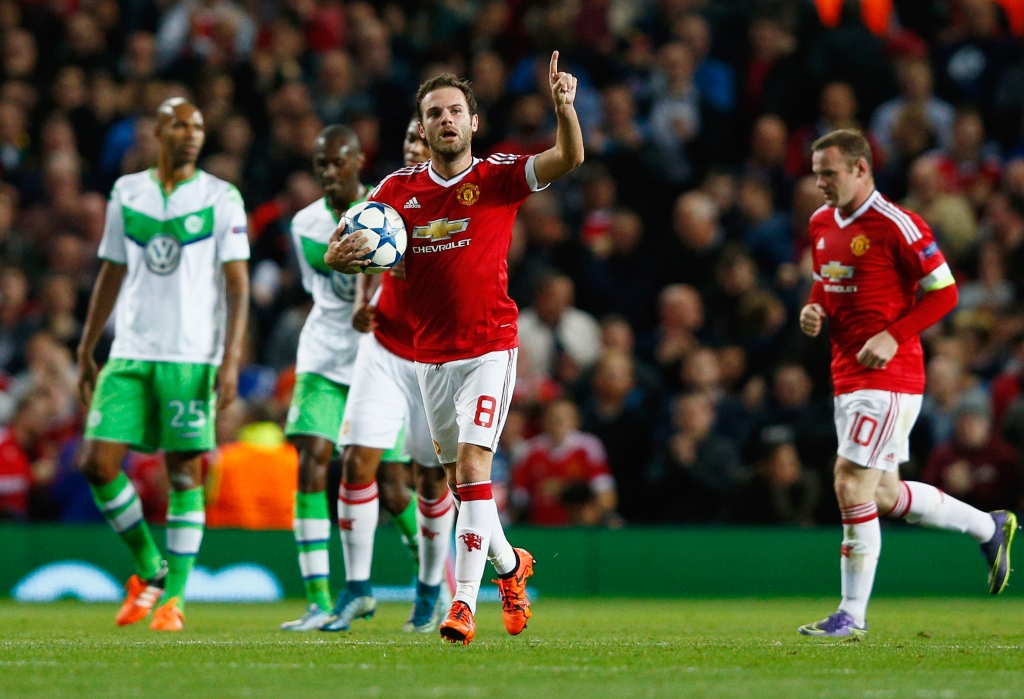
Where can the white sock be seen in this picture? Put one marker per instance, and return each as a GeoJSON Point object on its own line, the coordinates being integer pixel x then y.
{"type": "Point", "coordinates": [472, 539]}
{"type": "Point", "coordinates": [920, 503]}
{"type": "Point", "coordinates": [310, 535]}
{"type": "Point", "coordinates": [435, 519]}
{"type": "Point", "coordinates": [358, 512]}
{"type": "Point", "coordinates": [500, 552]}
{"type": "Point", "coordinates": [862, 544]}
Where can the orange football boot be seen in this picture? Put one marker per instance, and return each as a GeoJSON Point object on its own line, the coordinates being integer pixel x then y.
{"type": "Point", "coordinates": [460, 625]}
{"type": "Point", "coordinates": [515, 608]}
{"type": "Point", "coordinates": [168, 617]}
{"type": "Point", "coordinates": [139, 599]}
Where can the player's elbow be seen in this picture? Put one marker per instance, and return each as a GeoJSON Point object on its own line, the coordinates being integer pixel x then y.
{"type": "Point", "coordinates": [573, 158]}
{"type": "Point", "coordinates": [576, 158]}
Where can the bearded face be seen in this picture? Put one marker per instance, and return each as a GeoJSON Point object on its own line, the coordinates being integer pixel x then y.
{"type": "Point", "coordinates": [447, 124]}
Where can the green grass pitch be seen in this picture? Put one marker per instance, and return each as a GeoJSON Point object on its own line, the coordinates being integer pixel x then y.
{"type": "Point", "coordinates": [573, 649]}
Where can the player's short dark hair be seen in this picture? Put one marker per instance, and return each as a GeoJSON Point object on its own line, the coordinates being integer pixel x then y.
{"type": "Point", "coordinates": [850, 142]}
{"type": "Point", "coordinates": [445, 80]}
{"type": "Point", "coordinates": [339, 132]}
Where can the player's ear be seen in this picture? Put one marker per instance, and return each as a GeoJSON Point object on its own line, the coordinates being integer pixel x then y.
{"type": "Point", "coordinates": [360, 162]}
{"type": "Point", "coordinates": [419, 129]}
{"type": "Point", "coordinates": [474, 122]}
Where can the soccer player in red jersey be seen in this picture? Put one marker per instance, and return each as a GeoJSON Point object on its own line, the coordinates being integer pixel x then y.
{"type": "Point", "coordinates": [384, 400]}
{"type": "Point", "coordinates": [871, 257]}
{"type": "Point", "coordinates": [459, 212]}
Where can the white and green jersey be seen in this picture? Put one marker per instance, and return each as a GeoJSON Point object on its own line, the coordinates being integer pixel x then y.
{"type": "Point", "coordinates": [172, 304]}
{"type": "Point", "coordinates": [328, 343]}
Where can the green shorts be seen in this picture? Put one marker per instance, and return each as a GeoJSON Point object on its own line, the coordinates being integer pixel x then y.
{"type": "Point", "coordinates": [317, 409]}
{"type": "Point", "coordinates": [154, 405]}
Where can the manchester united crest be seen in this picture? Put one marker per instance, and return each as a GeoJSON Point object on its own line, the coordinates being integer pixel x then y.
{"type": "Point", "coordinates": [860, 245]}
{"type": "Point", "coordinates": [467, 194]}
{"type": "Point", "coordinates": [472, 541]}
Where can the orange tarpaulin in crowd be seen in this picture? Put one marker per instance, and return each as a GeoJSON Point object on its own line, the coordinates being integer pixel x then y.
{"type": "Point", "coordinates": [876, 14]}
{"type": "Point", "coordinates": [251, 483]}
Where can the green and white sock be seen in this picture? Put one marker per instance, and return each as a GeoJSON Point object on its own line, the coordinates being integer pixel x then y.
{"type": "Point", "coordinates": [406, 523]}
{"type": "Point", "coordinates": [312, 527]}
{"type": "Point", "coordinates": [122, 509]}
{"type": "Point", "coordinates": [186, 519]}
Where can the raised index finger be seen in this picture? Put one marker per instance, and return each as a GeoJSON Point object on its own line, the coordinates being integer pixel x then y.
{"type": "Point", "coordinates": [554, 64]}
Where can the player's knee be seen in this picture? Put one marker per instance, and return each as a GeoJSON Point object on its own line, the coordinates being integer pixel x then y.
{"type": "Point", "coordinates": [847, 488]}
{"type": "Point", "coordinates": [358, 466]}
{"type": "Point", "coordinates": [91, 469]}
{"type": "Point", "coordinates": [96, 469]}
{"type": "Point", "coordinates": [312, 472]}
{"type": "Point", "coordinates": [393, 497]}
{"type": "Point", "coordinates": [431, 483]}
{"type": "Point", "coordinates": [886, 495]}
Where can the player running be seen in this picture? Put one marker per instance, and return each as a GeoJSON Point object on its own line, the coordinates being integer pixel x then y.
{"type": "Point", "coordinates": [870, 259]}
{"type": "Point", "coordinates": [176, 241]}
{"type": "Point", "coordinates": [385, 396]}
{"type": "Point", "coordinates": [459, 211]}
{"type": "Point", "coordinates": [327, 353]}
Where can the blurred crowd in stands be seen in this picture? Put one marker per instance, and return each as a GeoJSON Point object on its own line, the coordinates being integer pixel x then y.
{"type": "Point", "coordinates": [662, 376]}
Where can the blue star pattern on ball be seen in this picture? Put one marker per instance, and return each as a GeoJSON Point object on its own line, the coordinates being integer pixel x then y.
{"type": "Point", "coordinates": [384, 231]}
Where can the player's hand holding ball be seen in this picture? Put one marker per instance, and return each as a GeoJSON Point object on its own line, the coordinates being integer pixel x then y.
{"type": "Point", "coordinates": [371, 238]}
{"type": "Point", "coordinates": [346, 253]}
{"type": "Point", "coordinates": [563, 85]}
{"type": "Point", "coordinates": [812, 317]}
{"type": "Point", "coordinates": [877, 351]}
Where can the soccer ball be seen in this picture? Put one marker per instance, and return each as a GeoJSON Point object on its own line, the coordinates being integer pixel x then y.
{"type": "Point", "coordinates": [384, 231]}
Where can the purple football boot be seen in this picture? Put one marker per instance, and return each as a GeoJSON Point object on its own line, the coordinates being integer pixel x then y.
{"type": "Point", "coordinates": [997, 551]}
{"type": "Point", "coordinates": [839, 625]}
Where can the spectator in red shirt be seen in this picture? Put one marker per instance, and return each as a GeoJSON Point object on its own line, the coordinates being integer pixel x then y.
{"type": "Point", "coordinates": [18, 443]}
{"type": "Point", "coordinates": [976, 465]}
{"type": "Point", "coordinates": [968, 167]}
{"type": "Point", "coordinates": [563, 478]}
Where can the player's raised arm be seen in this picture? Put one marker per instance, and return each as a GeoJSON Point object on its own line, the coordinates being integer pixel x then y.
{"type": "Point", "coordinates": [567, 152]}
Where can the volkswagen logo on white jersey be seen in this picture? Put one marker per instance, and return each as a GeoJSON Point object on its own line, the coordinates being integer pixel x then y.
{"type": "Point", "coordinates": [163, 253]}
{"type": "Point", "coordinates": [194, 224]}
{"type": "Point", "coordinates": [344, 286]}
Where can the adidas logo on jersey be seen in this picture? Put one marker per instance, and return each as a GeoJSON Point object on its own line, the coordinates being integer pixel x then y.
{"type": "Point", "coordinates": [412, 204]}
{"type": "Point", "coordinates": [821, 243]}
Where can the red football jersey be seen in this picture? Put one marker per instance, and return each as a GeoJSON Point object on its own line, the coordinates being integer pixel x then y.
{"type": "Point", "coordinates": [456, 261]}
{"type": "Point", "coordinates": [15, 476]}
{"type": "Point", "coordinates": [870, 266]}
{"type": "Point", "coordinates": [542, 475]}
{"type": "Point", "coordinates": [394, 320]}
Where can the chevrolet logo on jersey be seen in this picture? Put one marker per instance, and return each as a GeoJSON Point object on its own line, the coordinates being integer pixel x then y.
{"type": "Point", "coordinates": [835, 272]}
{"type": "Point", "coordinates": [441, 229]}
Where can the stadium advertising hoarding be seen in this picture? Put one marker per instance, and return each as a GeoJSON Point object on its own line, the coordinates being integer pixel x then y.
{"type": "Point", "coordinates": [236, 565]}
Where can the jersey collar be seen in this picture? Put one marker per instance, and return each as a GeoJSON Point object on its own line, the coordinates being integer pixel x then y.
{"type": "Point", "coordinates": [844, 222]}
{"type": "Point", "coordinates": [453, 181]}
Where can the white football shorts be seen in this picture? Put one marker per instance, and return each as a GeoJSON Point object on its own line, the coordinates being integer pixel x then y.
{"type": "Point", "coordinates": [874, 427]}
{"type": "Point", "coordinates": [467, 400]}
{"type": "Point", "coordinates": [383, 396]}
